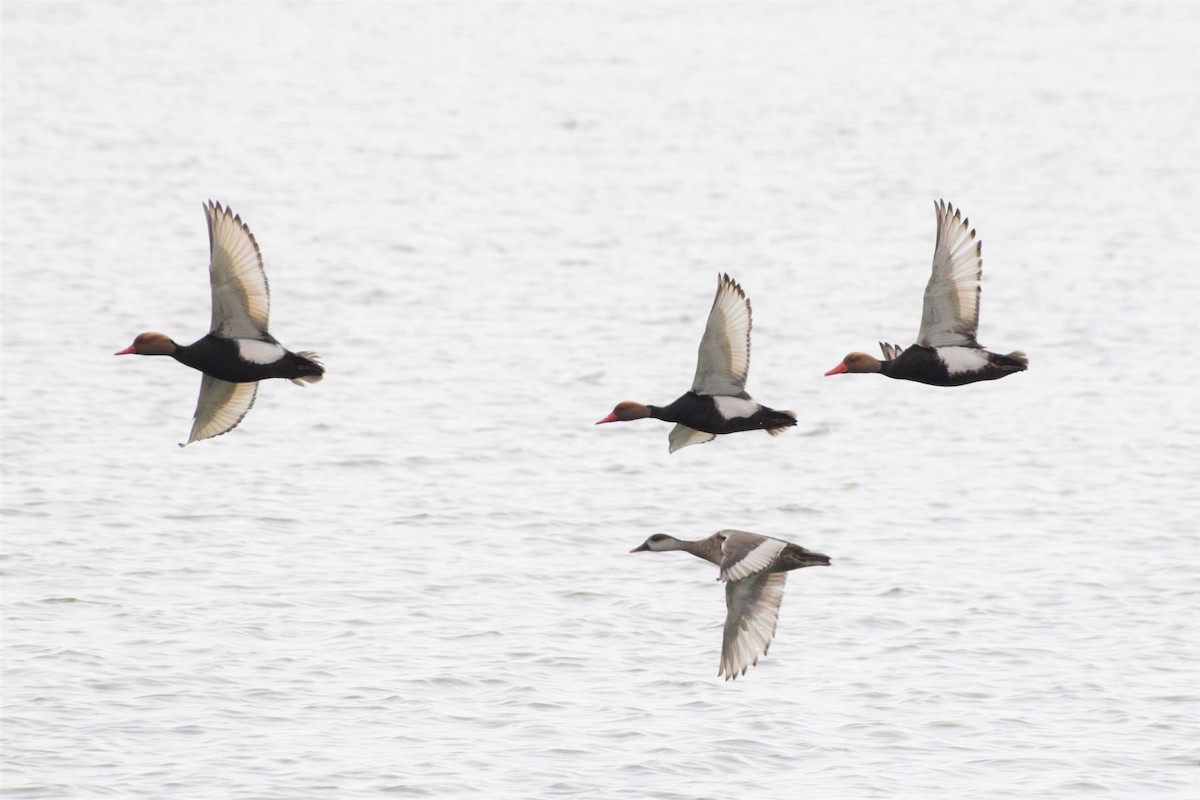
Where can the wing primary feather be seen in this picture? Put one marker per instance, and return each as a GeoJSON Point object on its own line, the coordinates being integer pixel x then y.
{"type": "Point", "coordinates": [753, 615]}
{"type": "Point", "coordinates": [723, 359]}
{"type": "Point", "coordinates": [950, 314]}
{"type": "Point", "coordinates": [241, 295]}
{"type": "Point", "coordinates": [220, 407]}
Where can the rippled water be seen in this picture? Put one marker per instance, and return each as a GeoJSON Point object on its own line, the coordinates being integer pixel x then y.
{"type": "Point", "coordinates": [494, 222]}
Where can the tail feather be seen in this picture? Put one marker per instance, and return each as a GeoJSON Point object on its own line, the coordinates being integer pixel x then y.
{"type": "Point", "coordinates": [1016, 361]}
{"type": "Point", "coordinates": [308, 368]}
{"type": "Point", "coordinates": [780, 421]}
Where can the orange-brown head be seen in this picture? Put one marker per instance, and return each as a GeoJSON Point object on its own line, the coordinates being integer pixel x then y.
{"type": "Point", "coordinates": [149, 344]}
{"type": "Point", "coordinates": [857, 362]}
{"type": "Point", "coordinates": [625, 411]}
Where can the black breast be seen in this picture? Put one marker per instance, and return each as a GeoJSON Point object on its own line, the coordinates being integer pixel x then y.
{"type": "Point", "coordinates": [919, 364]}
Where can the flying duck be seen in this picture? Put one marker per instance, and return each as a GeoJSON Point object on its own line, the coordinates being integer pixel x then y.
{"type": "Point", "coordinates": [946, 353]}
{"type": "Point", "coordinates": [754, 569]}
{"type": "Point", "coordinates": [238, 351]}
{"type": "Point", "coordinates": [717, 402]}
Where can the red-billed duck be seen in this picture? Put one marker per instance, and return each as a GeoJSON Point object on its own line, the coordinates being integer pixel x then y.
{"type": "Point", "coordinates": [946, 353]}
{"type": "Point", "coordinates": [717, 402]}
{"type": "Point", "coordinates": [237, 352]}
{"type": "Point", "coordinates": [754, 569]}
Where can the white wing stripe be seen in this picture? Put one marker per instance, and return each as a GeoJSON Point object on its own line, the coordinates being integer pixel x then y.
{"type": "Point", "coordinates": [756, 560]}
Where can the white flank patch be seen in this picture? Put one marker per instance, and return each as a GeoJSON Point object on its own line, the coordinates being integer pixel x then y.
{"type": "Point", "coordinates": [733, 407]}
{"type": "Point", "coordinates": [257, 352]}
{"type": "Point", "coordinates": [962, 359]}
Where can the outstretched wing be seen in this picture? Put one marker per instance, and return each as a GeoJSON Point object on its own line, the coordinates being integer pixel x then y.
{"type": "Point", "coordinates": [724, 359]}
{"type": "Point", "coordinates": [241, 299]}
{"type": "Point", "coordinates": [682, 436]}
{"type": "Point", "coordinates": [951, 312]}
{"type": "Point", "coordinates": [753, 612]}
{"type": "Point", "coordinates": [221, 406]}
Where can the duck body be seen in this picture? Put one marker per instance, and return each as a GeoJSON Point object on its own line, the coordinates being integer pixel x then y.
{"type": "Point", "coordinates": [946, 352]}
{"type": "Point", "coordinates": [722, 414]}
{"type": "Point", "coordinates": [950, 366]}
{"type": "Point", "coordinates": [246, 360]}
{"type": "Point", "coordinates": [754, 569]}
{"type": "Point", "coordinates": [717, 403]}
{"type": "Point", "coordinates": [238, 351]}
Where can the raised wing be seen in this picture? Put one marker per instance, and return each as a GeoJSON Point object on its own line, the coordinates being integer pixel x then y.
{"type": "Point", "coordinates": [951, 312]}
{"type": "Point", "coordinates": [753, 612]}
{"type": "Point", "coordinates": [241, 299]}
{"type": "Point", "coordinates": [724, 359]}
{"type": "Point", "coordinates": [744, 554]}
{"type": "Point", "coordinates": [682, 436]}
{"type": "Point", "coordinates": [221, 406]}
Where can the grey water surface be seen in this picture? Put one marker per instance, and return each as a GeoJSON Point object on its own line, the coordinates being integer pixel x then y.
{"type": "Point", "coordinates": [494, 221]}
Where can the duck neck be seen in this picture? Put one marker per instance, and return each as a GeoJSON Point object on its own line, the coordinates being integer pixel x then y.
{"type": "Point", "coordinates": [709, 549]}
{"type": "Point", "coordinates": [671, 413]}
{"type": "Point", "coordinates": [186, 354]}
{"type": "Point", "coordinates": [887, 367]}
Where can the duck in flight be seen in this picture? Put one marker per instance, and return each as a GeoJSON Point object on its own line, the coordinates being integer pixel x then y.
{"type": "Point", "coordinates": [717, 402]}
{"type": "Point", "coordinates": [754, 569]}
{"type": "Point", "coordinates": [946, 353]}
{"type": "Point", "coordinates": [238, 351]}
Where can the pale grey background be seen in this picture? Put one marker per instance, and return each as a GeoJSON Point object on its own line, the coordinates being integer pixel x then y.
{"type": "Point", "coordinates": [494, 222]}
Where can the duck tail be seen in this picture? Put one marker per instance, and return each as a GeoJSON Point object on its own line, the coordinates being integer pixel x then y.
{"type": "Point", "coordinates": [308, 368]}
{"type": "Point", "coordinates": [1016, 361]}
{"type": "Point", "coordinates": [780, 421]}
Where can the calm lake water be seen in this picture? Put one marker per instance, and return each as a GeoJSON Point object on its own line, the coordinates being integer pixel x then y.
{"type": "Point", "coordinates": [494, 222]}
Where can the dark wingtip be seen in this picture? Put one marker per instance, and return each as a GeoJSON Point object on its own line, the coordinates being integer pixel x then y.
{"type": "Point", "coordinates": [723, 279]}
